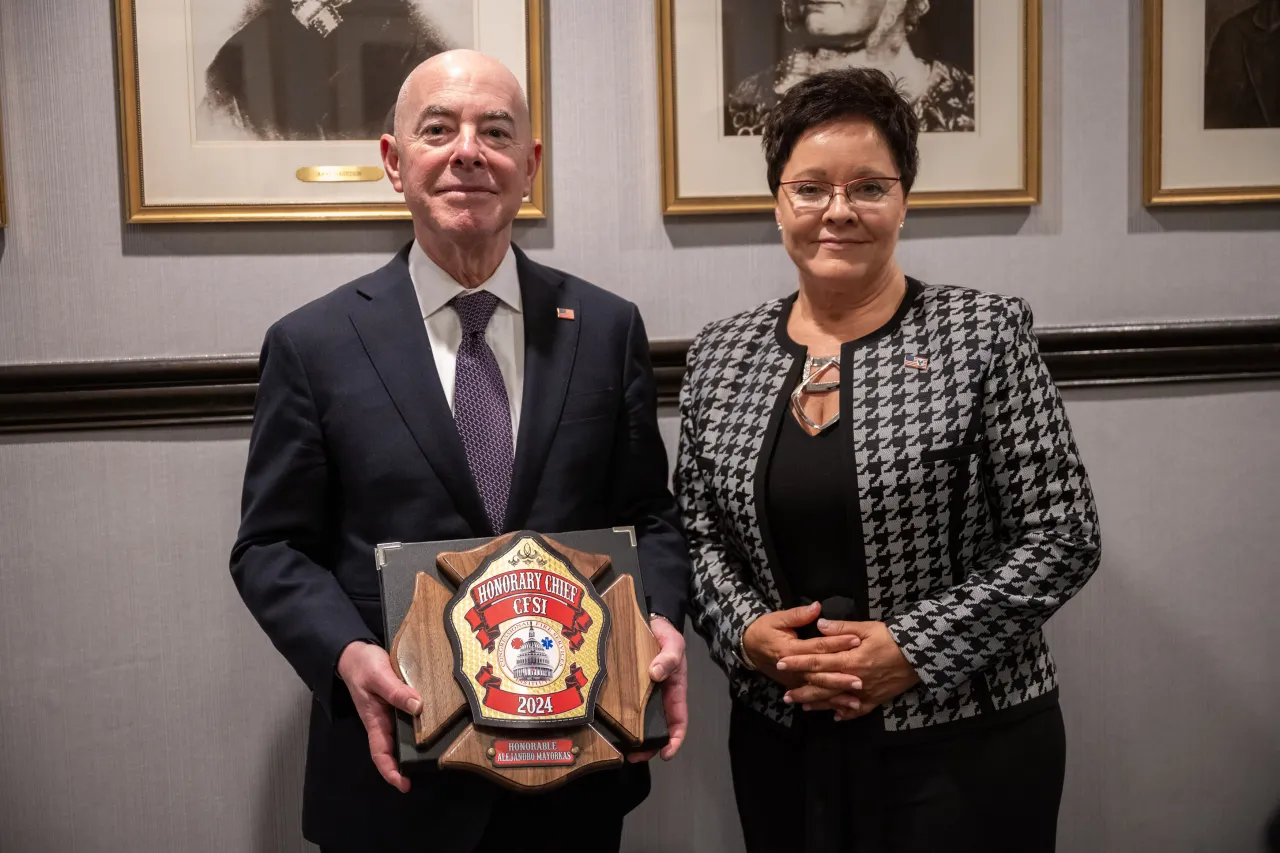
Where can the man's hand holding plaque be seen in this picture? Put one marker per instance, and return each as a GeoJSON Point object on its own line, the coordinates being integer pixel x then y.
{"type": "Point", "coordinates": [375, 690]}
{"type": "Point", "coordinates": [671, 670]}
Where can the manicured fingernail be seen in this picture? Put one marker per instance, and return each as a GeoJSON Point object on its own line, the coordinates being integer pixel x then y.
{"type": "Point", "coordinates": [414, 706]}
{"type": "Point", "coordinates": [824, 624]}
{"type": "Point", "coordinates": [656, 672]}
{"type": "Point", "coordinates": [781, 665]}
{"type": "Point", "coordinates": [855, 684]}
{"type": "Point", "coordinates": [787, 698]}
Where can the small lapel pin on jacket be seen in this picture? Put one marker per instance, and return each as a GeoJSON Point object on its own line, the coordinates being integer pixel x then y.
{"type": "Point", "coordinates": [917, 362]}
{"type": "Point", "coordinates": [564, 313]}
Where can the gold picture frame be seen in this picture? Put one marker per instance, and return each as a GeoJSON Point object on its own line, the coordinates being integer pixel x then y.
{"type": "Point", "coordinates": [139, 210]}
{"type": "Point", "coordinates": [4, 204]}
{"type": "Point", "coordinates": [1154, 189]}
{"type": "Point", "coordinates": [1027, 193]}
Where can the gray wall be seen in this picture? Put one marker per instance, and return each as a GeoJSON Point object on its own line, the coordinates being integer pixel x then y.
{"type": "Point", "coordinates": [142, 710]}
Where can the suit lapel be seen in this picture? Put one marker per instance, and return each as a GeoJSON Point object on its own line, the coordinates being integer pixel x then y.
{"type": "Point", "coordinates": [550, 345]}
{"type": "Point", "coordinates": [389, 323]}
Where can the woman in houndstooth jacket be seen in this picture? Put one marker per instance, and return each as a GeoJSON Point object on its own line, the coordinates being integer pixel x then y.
{"type": "Point", "coordinates": [885, 503]}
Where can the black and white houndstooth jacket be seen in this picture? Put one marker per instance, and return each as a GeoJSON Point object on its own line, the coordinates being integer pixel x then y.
{"type": "Point", "coordinates": [978, 519]}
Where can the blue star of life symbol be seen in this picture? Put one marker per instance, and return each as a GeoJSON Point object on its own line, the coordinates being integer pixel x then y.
{"type": "Point", "coordinates": [546, 643]}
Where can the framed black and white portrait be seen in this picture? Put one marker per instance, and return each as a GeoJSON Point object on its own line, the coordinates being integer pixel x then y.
{"type": "Point", "coordinates": [272, 109]}
{"type": "Point", "coordinates": [1212, 101]}
{"type": "Point", "coordinates": [970, 68]}
{"type": "Point", "coordinates": [4, 205]}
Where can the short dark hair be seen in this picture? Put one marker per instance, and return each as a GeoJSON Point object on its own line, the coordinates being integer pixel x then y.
{"type": "Point", "coordinates": [865, 93]}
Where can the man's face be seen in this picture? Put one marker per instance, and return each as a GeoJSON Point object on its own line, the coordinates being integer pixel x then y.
{"type": "Point", "coordinates": [462, 154]}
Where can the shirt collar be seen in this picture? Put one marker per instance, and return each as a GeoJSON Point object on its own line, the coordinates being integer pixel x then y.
{"type": "Point", "coordinates": [435, 287]}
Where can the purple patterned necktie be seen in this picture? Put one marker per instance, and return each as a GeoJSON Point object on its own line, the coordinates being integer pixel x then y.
{"type": "Point", "coordinates": [480, 406]}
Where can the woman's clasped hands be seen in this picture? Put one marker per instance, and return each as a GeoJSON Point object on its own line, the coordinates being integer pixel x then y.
{"type": "Point", "coordinates": [850, 669]}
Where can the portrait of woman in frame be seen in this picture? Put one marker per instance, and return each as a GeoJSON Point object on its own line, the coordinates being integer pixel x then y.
{"type": "Point", "coordinates": [253, 110]}
{"type": "Point", "coordinates": [969, 68]}
{"type": "Point", "coordinates": [928, 46]}
{"type": "Point", "coordinates": [4, 204]}
{"type": "Point", "coordinates": [1211, 102]}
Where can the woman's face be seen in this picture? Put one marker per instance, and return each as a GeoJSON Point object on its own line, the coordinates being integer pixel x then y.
{"type": "Point", "coordinates": [841, 242]}
{"type": "Point", "coordinates": [841, 17]}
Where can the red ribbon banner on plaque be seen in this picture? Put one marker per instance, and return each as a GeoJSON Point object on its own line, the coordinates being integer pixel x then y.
{"type": "Point", "coordinates": [526, 705]}
{"type": "Point", "coordinates": [528, 592]}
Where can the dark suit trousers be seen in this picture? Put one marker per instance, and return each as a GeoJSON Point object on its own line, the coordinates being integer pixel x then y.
{"type": "Point", "coordinates": [591, 808]}
{"type": "Point", "coordinates": [989, 790]}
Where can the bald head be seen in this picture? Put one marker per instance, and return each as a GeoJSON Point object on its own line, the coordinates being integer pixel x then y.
{"type": "Point", "coordinates": [463, 154]}
{"type": "Point", "coordinates": [460, 71]}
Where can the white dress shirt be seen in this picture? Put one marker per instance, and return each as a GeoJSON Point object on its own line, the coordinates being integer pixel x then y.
{"type": "Point", "coordinates": [505, 334]}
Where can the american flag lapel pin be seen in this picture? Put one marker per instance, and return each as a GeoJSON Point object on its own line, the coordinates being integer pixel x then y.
{"type": "Point", "coordinates": [916, 362]}
{"type": "Point", "coordinates": [564, 313]}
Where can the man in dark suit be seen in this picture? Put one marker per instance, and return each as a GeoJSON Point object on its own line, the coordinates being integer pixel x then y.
{"type": "Point", "coordinates": [1242, 74]}
{"type": "Point", "coordinates": [460, 391]}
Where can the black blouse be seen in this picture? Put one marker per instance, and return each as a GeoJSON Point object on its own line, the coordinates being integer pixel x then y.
{"type": "Point", "coordinates": [811, 500]}
{"type": "Point", "coordinates": [808, 496]}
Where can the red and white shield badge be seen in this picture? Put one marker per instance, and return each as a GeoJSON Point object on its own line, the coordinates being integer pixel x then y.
{"type": "Point", "coordinates": [529, 637]}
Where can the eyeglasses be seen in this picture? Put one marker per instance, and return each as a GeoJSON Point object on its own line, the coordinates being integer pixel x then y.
{"type": "Point", "coordinates": [863, 194]}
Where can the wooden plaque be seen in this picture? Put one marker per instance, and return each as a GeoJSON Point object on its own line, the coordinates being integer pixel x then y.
{"type": "Point", "coordinates": [514, 644]}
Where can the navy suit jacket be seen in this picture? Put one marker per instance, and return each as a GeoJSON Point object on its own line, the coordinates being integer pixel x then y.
{"type": "Point", "coordinates": [354, 444]}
